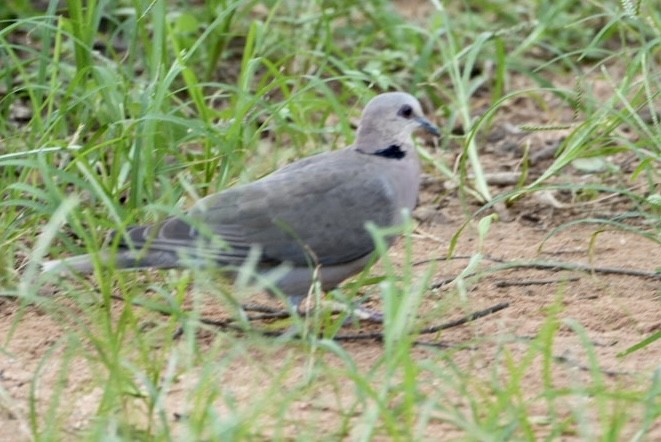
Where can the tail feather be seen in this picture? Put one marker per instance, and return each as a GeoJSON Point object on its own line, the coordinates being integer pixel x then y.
{"type": "Point", "coordinates": [123, 259]}
{"type": "Point", "coordinates": [74, 264]}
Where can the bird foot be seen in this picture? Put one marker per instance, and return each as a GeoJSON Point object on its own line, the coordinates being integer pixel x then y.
{"type": "Point", "coordinates": [355, 313]}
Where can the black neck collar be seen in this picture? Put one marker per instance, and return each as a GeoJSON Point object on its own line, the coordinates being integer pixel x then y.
{"type": "Point", "coordinates": [394, 151]}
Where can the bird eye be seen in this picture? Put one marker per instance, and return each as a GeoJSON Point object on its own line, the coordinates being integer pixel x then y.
{"type": "Point", "coordinates": [405, 111]}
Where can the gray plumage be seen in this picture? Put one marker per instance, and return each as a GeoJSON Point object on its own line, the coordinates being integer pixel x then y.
{"type": "Point", "coordinates": [311, 212]}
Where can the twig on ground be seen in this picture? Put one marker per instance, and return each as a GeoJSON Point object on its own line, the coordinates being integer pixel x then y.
{"type": "Point", "coordinates": [445, 281]}
{"type": "Point", "coordinates": [546, 265]}
{"type": "Point", "coordinates": [445, 258]}
{"type": "Point", "coordinates": [468, 318]}
{"type": "Point", "coordinates": [259, 308]}
{"type": "Point", "coordinates": [526, 282]}
{"type": "Point", "coordinates": [576, 267]}
{"type": "Point", "coordinates": [379, 336]}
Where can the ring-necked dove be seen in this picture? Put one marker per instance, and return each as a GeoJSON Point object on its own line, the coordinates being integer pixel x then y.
{"type": "Point", "coordinates": [311, 212]}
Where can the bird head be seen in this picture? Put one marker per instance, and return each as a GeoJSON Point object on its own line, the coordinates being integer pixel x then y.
{"type": "Point", "coordinates": [391, 118]}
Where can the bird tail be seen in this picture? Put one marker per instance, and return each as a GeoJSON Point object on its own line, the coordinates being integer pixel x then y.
{"type": "Point", "coordinates": [123, 259]}
{"type": "Point", "coordinates": [75, 264]}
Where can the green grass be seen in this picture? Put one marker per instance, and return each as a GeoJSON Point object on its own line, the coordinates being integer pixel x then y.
{"type": "Point", "coordinates": [122, 112]}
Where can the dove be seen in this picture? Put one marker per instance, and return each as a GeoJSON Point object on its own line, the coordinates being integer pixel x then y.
{"type": "Point", "coordinates": [310, 214]}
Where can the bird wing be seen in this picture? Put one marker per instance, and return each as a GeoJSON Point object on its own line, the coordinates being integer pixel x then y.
{"type": "Point", "coordinates": [310, 212]}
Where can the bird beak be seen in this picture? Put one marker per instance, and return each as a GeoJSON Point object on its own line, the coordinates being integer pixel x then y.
{"type": "Point", "coordinates": [428, 126]}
